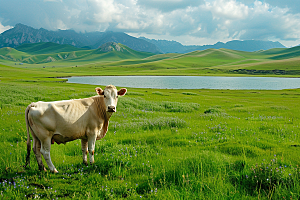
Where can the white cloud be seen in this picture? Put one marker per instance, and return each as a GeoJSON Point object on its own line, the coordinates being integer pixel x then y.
{"type": "Point", "coordinates": [53, 0]}
{"type": "Point", "coordinates": [189, 21]}
{"type": "Point", "coordinates": [260, 7]}
{"type": "Point", "coordinates": [4, 28]}
{"type": "Point", "coordinates": [266, 22]}
{"type": "Point", "coordinates": [229, 9]}
{"type": "Point", "coordinates": [106, 11]}
{"type": "Point", "coordinates": [61, 25]}
{"type": "Point", "coordinates": [169, 5]}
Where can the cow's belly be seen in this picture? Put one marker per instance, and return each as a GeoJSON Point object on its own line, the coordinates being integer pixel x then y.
{"type": "Point", "coordinates": [69, 132]}
{"type": "Point", "coordinates": [62, 139]}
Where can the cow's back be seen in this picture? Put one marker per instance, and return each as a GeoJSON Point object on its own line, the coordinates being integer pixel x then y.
{"type": "Point", "coordinates": [69, 118]}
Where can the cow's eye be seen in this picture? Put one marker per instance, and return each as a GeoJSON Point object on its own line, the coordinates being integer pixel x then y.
{"type": "Point", "coordinates": [117, 97]}
{"type": "Point", "coordinates": [104, 96]}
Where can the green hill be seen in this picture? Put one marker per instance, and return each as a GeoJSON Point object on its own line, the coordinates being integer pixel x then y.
{"type": "Point", "coordinates": [113, 56]}
{"type": "Point", "coordinates": [288, 53]}
{"type": "Point", "coordinates": [46, 48]}
{"type": "Point", "coordinates": [50, 52]}
{"type": "Point", "coordinates": [108, 52]}
{"type": "Point", "coordinates": [215, 54]}
{"type": "Point", "coordinates": [12, 54]}
{"type": "Point", "coordinates": [216, 61]}
{"type": "Point", "coordinates": [57, 57]}
{"type": "Point", "coordinates": [204, 59]}
{"type": "Point", "coordinates": [114, 51]}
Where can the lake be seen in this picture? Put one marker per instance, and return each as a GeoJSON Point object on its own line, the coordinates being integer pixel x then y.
{"type": "Point", "coordinates": [191, 82]}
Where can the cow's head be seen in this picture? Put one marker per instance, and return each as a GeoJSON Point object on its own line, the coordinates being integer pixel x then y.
{"type": "Point", "coordinates": [110, 95]}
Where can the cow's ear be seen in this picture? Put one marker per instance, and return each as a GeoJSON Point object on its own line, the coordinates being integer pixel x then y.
{"type": "Point", "coordinates": [122, 91]}
{"type": "Point", "coordinates": [99, 91]}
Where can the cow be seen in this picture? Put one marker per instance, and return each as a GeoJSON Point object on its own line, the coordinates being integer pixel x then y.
{"type": "Point", "coordinates": [63, 121]}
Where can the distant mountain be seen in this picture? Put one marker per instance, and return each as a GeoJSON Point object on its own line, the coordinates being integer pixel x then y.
{"type": "Point", "coordinates": [246, 45]}
{"type": "Point", "coordinates": [110, 46]}
{"type": "Point", "coordinates": [131, 42]}
{"type": "Point", "coordinates": [22, 34]}
{"type": "Point", "coordinates": [167, 46]}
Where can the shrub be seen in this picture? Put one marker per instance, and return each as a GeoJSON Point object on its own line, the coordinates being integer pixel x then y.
{"type": "Point", "coordinates": [215, 111]}
{"type": "Point", "coordinates": [163, 106]}
{"type": "Point", "coordinates": [268, 176]}
{"type": "Point", "coordinates": [159, 93]}
{"type": "Point", "coordinates": [152, 124]}
{"type": "Point", "coordinates": [189, 93]}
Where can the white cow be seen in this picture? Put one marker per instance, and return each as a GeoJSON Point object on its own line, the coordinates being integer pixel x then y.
{"type": "Point", "coordinates": [64, 121]}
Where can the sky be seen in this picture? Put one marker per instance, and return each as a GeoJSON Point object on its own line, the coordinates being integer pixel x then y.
{"type": "Point", "coordinates": [190, 22]}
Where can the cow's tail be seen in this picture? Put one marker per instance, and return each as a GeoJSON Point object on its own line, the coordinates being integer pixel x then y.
{"type": "Point", "coordinates": [28, 135]}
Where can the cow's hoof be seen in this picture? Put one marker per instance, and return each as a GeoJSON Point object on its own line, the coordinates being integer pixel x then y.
{"type": "Point", "coordinates": [85, 163]}
{"type": "Point", "coordinates": [45, 169]}
{"type": "Point", "coordinates": [55, 171]}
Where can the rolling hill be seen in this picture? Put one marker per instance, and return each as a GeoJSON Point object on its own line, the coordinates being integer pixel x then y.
{"type": "Point", "coordinates": [38, 53]}
{"type": "Point", "coordinates": [112, 56]}
{"type": "Point", "coordinates": [12, 54]}
{"type": "Point", "coordinates": [46, 47]}
{"type": "Point", "coordinates": [287, 53]}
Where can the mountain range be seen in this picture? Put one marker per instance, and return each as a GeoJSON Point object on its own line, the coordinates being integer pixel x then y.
{"type": "Point", "coordinates": [22, 34]}
{"type": "Point", "coordinates": [245, 45]}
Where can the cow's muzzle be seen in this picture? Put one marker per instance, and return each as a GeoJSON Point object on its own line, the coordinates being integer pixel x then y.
{"type": "Point", "coordinates": [111, 109]}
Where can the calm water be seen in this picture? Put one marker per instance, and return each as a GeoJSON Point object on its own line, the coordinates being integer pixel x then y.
{"type": "Point", "coordinates": [191, 82]}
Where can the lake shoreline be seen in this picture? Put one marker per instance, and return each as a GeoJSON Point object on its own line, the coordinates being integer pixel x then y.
{"type": "Point", "coordinates": [191, 82]}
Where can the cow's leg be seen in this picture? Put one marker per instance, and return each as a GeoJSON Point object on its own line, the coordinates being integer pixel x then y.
{"type": "Point", "coordinates": [91, 143]}
{"type": "Point", "coordinates": [84, 148]}
{"type": "Point", "coordinates": [37, 151]}
{"type": "Point", "coordinates": [45, 150]}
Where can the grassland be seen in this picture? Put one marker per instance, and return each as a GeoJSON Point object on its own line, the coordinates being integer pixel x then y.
{"type": "Point", "coordinates": [161, 144]}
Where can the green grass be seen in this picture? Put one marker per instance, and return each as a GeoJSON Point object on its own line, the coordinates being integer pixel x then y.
{"type": "Point", "coordinates": [161, 144]}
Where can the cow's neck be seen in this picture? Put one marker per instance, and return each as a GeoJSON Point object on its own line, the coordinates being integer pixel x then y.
{"type": "Point", "coordinates": [101, 109]}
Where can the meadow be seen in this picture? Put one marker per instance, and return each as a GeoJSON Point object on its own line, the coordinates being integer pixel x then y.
{"type": "Point", "coordinates": [161, 144]}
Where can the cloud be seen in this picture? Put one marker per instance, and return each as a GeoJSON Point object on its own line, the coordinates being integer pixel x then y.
{"type": "Point", "coordinates": [34, 13]}
{"type": "Point", "coordinates": [190, 21]}
{"type": "Point", "coordinates": [169, 5]}
{"type": "Point", "coordinates": [229, 9]}
{"type": "Point", "coordinates": [293, 6]}
{"type": "Point", "coordinates": [4, 28]}
{"type": "Point", "coordinates": [265, 21]}
{"type": "Point", "coordinates": [259, 20]}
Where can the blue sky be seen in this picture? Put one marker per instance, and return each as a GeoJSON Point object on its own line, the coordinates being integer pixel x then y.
{"type": "Point", "coordinates": [190, 22]}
